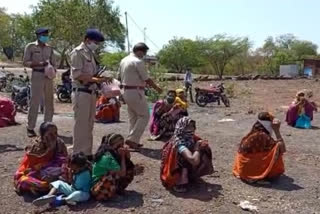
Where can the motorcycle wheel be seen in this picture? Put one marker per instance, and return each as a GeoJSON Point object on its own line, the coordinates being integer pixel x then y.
{"type": "Point", "coordinates": [225, 100]}
{"type": "Point", "coordinates": [201, 100]}
{"type": "Point", "coordinates": [62, 97]}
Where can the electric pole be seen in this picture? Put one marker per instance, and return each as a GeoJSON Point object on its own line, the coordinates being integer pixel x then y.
{"type": "Point", "coordinates": [126, 14]}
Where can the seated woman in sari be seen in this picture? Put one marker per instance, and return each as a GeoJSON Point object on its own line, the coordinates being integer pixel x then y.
{"type": "Point", "coordinates": [301, 110]}
{"type": "Point", "coordinates": [112, 169]}
{"type": "Point", "coordinates": [42, 162]}
{"type": "Point", "coordinates": [164, 117]}
{"type": "Point", "coordinates": [259, 156]}
{"type": "Point", "coordinates": [185, 157]}
{"type": "Point", "coordinates": [108, 109]}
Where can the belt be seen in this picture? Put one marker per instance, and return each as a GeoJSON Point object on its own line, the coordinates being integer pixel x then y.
{"type": "Point", "coordinates": [85, 90]}
{"type": "Point", "coordinates": [38, 70]}
{"type": "Point", "coordinates": [126, 87]}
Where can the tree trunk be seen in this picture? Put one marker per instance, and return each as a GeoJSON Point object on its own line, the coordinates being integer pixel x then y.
{"type": "Point", "coordinates": [63, 58]}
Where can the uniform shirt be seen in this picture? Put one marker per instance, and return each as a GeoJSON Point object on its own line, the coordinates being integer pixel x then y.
{"type": "Point", "coordinates": [82, 181]}
{"type": "Point", "coordinates": [133, 71]}
{"type": "Point", "coordinates": [36, 53]}
{"type": "Point", "coordinates": [106, 164]}
{"type": "Point", "coordinates": [82, 62]}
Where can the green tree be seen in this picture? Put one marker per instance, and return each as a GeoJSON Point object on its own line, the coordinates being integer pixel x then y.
{"type": "Point", "coordinates": [220, 50]}
{"type": "Point", "coordinates": [68, 21]}
{"type": "Point", "coordinates": [180, 54]}
{"type": "Point", "coordinates": [112, 60]}
{"type": "Point", "coordinates": [5, 28]}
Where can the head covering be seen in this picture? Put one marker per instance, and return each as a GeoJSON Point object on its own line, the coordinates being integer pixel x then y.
{"type": "Point", "coordinates": [179, 90]}
{"type": "Point", "coordinates": [140, 47]}
{"type": "Point", "coordinates": [42, 30]}
{"type": "Point", "coordinates": [182, 136]}
{"type": "Point", "coordinates": [95, 35]}
{"type": "Point", "coordinates": [264, 123]}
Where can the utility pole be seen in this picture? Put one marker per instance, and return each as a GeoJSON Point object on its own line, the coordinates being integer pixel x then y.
{"type": "Point", "coordinates": [126, 14]}
{"type": "Point", "coordinates": [144, 35]}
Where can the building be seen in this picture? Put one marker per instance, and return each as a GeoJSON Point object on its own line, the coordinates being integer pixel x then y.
{"type": "Point", "coordinates": [311, 67]}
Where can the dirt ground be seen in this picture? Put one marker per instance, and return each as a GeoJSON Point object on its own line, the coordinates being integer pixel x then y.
{"type": "Point", "coordinates": [298, 191]}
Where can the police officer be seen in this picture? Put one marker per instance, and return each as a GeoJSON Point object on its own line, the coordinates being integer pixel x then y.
{"type": "Point", "coordinates": [134, 78]}
{"type": "Point", "coordinates": [83, 69]}
{"type": "Point", "coordinates": [36, 56]}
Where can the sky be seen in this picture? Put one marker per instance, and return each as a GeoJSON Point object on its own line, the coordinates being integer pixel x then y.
{"type": "Point", "coordinates": [166, 19]}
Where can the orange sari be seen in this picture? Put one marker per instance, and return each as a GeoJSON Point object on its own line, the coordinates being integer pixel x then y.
{"type": "Point", "coordinates": [259, 157]}
{"type": "Point", "coordinates": [107, 112]}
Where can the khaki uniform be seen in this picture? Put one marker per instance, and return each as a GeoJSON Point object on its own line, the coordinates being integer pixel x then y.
{"type": "Point", "coordinates": [133, 73]}
{"type": "Point", "coordinates": [41, 86]}
{"type": "Point", "coordinates": [84, 103]}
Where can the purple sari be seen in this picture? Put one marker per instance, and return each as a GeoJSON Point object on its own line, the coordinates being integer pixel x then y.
{"type": "Point", "coordinates": [293, 112]}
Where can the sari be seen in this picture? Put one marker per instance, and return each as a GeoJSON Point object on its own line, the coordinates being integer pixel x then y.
{"type": "Point", "coordinates": [163, 119]}
{"type": "Point", "coordinates": [110, 184]}
{"type": "Point", "coordinates": [40, 166]}
{"type": "Point", "coordinates": [7, 112]}
{"type": "Point", "coordinates": [259, 157]}
{"type": "Point", "coordinates": [172, 162]}
{"type": "Point", "coordinates": [108, 110]}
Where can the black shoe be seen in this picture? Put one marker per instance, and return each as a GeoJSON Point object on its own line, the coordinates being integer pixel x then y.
{"type": "Point", "coordinates": [31, 133]}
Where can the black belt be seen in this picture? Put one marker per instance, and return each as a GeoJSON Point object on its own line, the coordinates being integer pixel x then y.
{"type": "Point", "coordinates": [85, 90]}
{"type": "Point", "coordinates": [38, 70]}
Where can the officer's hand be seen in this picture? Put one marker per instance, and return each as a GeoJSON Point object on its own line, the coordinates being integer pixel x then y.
{"type": "Point", "coordinates": [107, 80]}
{"type": "Point", "coordinates": [44, 63]}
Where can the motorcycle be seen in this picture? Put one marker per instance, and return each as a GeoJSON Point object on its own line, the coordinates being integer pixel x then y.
{"type": "Point", "coordinates": [21, 96]}
{"type": "Point", "coordinates": [21, 92]}
{"type": "Point", "coordinates": [63, 94]}
{"type": "Point", "coordinates": [211, 95]}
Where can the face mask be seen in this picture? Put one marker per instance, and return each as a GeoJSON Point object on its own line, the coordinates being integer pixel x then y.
{"type": "Point", "coordinates": [92, 46]}
{"type": "Point", "coordinates": [170, 99]}
{"type": "Point", "coordinates": [44, 39]}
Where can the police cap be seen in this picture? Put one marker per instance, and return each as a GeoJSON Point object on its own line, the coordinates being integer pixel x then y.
{"type": "Point", "coordinates": [95, 35]}
{"type": "Point", "coordinates": [42, 30]}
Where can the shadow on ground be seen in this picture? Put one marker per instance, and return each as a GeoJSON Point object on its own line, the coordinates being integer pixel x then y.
{"type": "Point", "coordinates": [131, 199]}
{"type": "Point", "coordinates": [9, 148]}
{"type": "Point", "coordinates": [202, 191]}
{"type": "Point", "coordinates": [283, 183]}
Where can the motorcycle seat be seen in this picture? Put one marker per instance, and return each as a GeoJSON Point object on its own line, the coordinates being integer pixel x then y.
{"type": "Point", "coordinates": [210, 90]}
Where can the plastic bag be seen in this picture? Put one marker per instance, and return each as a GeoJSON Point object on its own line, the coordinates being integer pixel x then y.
{"type": "Point", "coordinates": [111, 90]}
{"type": "Point", "coordinates": [303, 122]}
{"type": "Point", "coordinates": [49, 71]}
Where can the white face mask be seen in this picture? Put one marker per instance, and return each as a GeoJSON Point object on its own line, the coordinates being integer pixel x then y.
{"type": "Point", "coordinates": [92, 46]}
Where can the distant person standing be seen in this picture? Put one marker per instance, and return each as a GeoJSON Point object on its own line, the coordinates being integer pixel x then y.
{"type": "Point", "coordinates": [134, 78]}
{"type": "Point", "coordinates": [83, 69]}
{"type": "Point", "coordinates": [188, 84]}
{"type": "Point", "coordinates": [36, 56]}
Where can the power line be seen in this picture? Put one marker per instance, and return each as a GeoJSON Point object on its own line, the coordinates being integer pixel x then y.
{"type": "Point", "coordinates": [143, 31]}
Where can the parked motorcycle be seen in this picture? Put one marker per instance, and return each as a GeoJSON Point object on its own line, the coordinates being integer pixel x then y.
{"type": "Point", "coordinates": [63, 94]}
{"type": "Point", "coordinates": [211, 95]}
{"type": "Point", "coordinates": [20, 89]}
{"type": "Point", "coordinates": [21, 96]}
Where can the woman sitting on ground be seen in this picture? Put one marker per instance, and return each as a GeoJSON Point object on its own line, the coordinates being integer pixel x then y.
{"type": "Point", "coordinates": [185, 157]}
{"type": "Point", "coordinates": [108, 109]}
{"type": "Point", "coordinates": [112, 169]}
{"type": "Point", "coordinates": [182, 101]}
{"type": "Point", "coordinates": [42, 162]}
{"type": "Point", "coordinates": [259, 156]}
{"type": "Point", "coordinates": [301, 109]}
{"type": "Point", "coordinates": [165, 115]}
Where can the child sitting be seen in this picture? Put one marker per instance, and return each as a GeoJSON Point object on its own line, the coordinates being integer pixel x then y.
{"type": "Point", "coordinates": [78, 191]}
